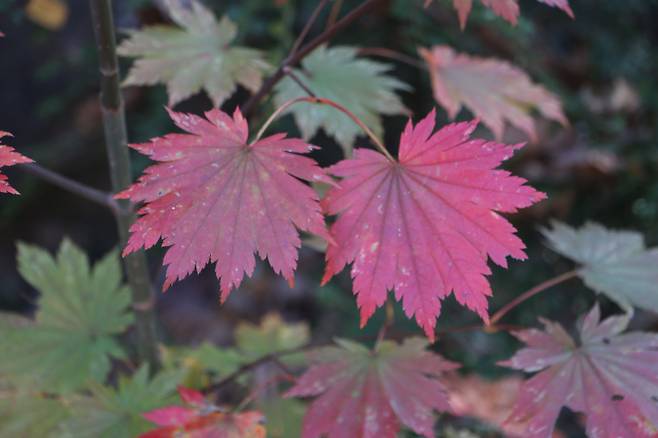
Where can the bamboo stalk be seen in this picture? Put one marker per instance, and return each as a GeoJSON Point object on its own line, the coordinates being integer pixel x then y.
{"type": "Point", "coordinates": [119, 162]}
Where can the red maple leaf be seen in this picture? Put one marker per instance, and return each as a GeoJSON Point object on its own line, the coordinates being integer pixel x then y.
{"type": "Point", "coordinates": [9, 157]}
{"type": "Point", "coordinates": [423, 226]}
{"type": "Point", "coordinates": [367, 394]}
{"type": "Point", "coordinates": [215, 197]}
{"type": "Point", "coordinates": [611, 377]}
{"type": "Point", "coordinates": [202, 420]}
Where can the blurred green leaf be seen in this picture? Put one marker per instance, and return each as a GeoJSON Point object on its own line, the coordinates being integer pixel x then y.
{"type": "Point", "coordinates": [30, 415]}
{"type": "Point", "coordinates": [283, 417]}
{"type": "Point", "coordinates": [109, 412]}
{"type": "Point", "coordinates": [361, 85]}
{"type": "Point", "coordinates": [70, 341]}
{"type": "Point", "coordinates": [271, 336]}
{"type": "Point", "coordinates": [616, 263]}
{"type": "Point", "coordinates": [197, 362]}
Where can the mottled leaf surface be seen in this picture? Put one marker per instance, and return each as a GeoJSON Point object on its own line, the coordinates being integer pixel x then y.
{"type": "Point", "coordinates": [200, 419]}
{"type": "Point", "coordinates": [424, 225]}
{"type": "Point", "coordinates": [610, 377]}
{"type": "Point", "coordinates": [214, 197]}
{"type": "Point", "coordinates": [197, 55]}
{"type": "Point", "coordinates": [9, 157]}
{"type": "Point", "coordinates": [614, 262]}
{"type": "Point", "coordinates": [369, 394]}
{"type": "Point", "coordinates": [493, 90]}
{"type": "Point", "coordinates": [506, 9]}
{"type": "Point", "coordinates": [359, 84]}
{"type": "Point", "coordinates": [107, 412]}
{"type": "Point", "coordinates": [80, 309]}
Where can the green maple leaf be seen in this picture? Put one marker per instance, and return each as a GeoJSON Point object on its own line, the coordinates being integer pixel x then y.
{"type": "Point", "coordinates": [30, 415]}
{"type": "Point", "coordinates": [117, 412]}
{"type": "Point", "coordinates": [614, 262]}
{"type": "Point", "coordinates": [71, 340]}
{"type": "Point", "coordinates": [197, 55]}
{"type": "Point", "coordinates": [361, 85]}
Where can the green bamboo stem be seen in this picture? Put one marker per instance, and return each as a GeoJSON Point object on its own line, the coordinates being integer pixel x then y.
{"type": "Point", "coordinates": [114, 124]}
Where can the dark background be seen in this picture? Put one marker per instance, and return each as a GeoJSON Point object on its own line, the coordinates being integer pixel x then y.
{"type": "Point", "coordinates": [603, 167]}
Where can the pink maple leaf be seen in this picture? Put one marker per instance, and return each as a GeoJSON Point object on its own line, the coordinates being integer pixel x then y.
{"type": "Point", "coordinates": [493, 90]}
{"type": "Point", "coordinates": [9, 157]}
{"type": "Point", "coordinates": [423, 226]}
{"type": "Point", "coordinates": [506, 9]}
{"type": "Point", "coordinates": [611, 377]}
{"type": "Point", "coordinates": [215, 197]}
{"type": "Point", "coordinates": [367, 394]}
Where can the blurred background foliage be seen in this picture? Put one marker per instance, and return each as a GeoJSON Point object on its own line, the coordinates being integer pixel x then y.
{"type": "Point", "coordinates": [603, 167]}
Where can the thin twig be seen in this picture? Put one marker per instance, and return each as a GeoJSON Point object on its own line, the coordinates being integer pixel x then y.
{"type": "Point", "coordinates": [91, 194]}
{"type": "Point", "coordinates": [331, 103]}
{"type": "Point", "coordinates": [254, 393]}
{"type": "Point", "coordinates": [307, 28]}
{"type": "Point", "coordinates": [292, 75]}
{"type": "Point", "coordinates": [383, 52]}
{"type": "Point", "coordinates": [333, 14]}
{"type": "Point", "coordinates": [477, 327]}
{"type": "Point", "coordinates": [325, 36]}
{"type": "Point", "coordinates": [531, 293]}
{"type": "Point", "coordinates": [245, 368]}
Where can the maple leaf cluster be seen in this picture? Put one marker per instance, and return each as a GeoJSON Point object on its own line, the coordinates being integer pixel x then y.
{"type": "Point", "coordinates": [610, 376]}
{"type": "Point", "coordinates": [422, 226]}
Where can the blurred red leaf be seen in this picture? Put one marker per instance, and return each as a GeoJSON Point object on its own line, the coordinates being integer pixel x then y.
{"type": "Point", "coordinates": [367, 394]}
{"type": "Point", "coordinates": [490, 401]}
{"type": "Point", "coordinates": [494, 90]}
{"type": "Point", "coordinates": [202, 420]}
{"type": "Point", "coordinates": [423, 226]}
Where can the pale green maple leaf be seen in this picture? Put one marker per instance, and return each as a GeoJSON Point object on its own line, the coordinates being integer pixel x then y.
{"type": "Point", "coordinates": [614, 262]}
{"type": "Point", "coordinates": [360, 85]}
{"type": "Point", "coordinates": [197, 55]}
